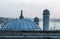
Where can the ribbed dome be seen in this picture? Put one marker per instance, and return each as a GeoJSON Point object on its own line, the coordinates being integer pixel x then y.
{"type": "Point", "coordinates": [46, 12]}
{"type": "Point", "coordinates": [20, 24]}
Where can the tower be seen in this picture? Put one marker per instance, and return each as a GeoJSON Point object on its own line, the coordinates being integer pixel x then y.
{"type": "Point", "coordinates": [21, 16]}
{"type": "Point", "coordinates": [36, 20]}
{"type": "Point", "coordinates": [46, 17]}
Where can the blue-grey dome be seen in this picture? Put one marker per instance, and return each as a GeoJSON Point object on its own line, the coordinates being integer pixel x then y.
{"type": "Point", "coordinates": [46, 12]}
{"type": "Point", "coordinates": [20, 24]}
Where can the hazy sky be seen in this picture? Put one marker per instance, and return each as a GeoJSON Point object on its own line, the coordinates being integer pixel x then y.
{"type": "Point", "coordinates": [31, 8]}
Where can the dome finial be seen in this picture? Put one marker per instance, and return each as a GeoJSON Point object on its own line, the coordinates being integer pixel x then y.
{"type": "Point", "coordinates": [21, 16]}
{"type": "Point", "coordinates": [46, 12]}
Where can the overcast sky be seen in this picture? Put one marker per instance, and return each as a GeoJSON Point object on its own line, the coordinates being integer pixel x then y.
{"type": "Point", "coordinates": [31, 8]}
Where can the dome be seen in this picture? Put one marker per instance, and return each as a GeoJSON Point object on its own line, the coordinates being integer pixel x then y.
{"type": "Point", "coordinates": [20, 24]}
{"type": "Point", "coordinates": [46, 12]}
{"type": "Point", "coordinates": [36, 19]}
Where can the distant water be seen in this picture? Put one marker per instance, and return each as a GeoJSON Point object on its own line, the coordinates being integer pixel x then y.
{"type": "Point", "coordinates": [52, 25]}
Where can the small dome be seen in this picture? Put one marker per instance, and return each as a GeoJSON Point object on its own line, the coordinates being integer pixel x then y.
{"type": "Point", "coordinates": [46, 12]}
{"type": "Point", "coordinates": [20, 24]}
{"type": "Point", "coordinates": [36, 19]}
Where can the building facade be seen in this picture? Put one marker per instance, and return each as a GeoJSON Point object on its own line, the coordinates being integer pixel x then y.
{"type": "Point", "coordinates": [26, 29]}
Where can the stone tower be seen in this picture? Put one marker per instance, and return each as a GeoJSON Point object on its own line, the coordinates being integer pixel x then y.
{"type": "Point", "coordinates": [46, 17]}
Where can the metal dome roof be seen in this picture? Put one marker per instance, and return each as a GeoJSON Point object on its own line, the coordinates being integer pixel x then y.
{"type": "Point", "coordinates": [46, 12]}
{"type": "Point", "coordinates": [20, 24]}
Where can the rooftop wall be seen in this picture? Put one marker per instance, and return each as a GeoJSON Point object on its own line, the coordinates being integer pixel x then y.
{"type": "Point", "coordinates": [30, 34]}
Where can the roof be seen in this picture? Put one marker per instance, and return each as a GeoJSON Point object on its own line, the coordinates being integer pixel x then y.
{"type": "Point", "coordinates": [46, 12]}
{"type": "Point", "coordinates": [20, 24]}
